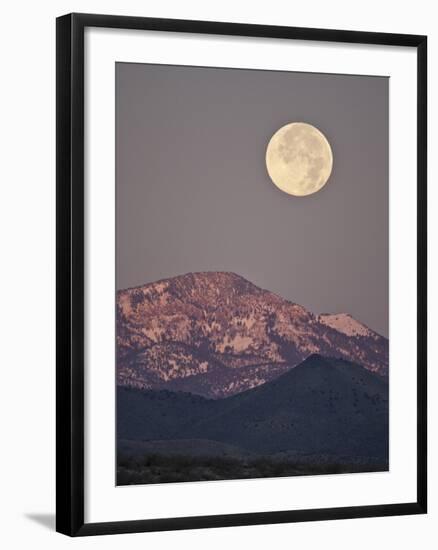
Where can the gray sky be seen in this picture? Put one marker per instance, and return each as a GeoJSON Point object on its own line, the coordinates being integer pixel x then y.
{"type": "Point", "coordinates": [193, 193]}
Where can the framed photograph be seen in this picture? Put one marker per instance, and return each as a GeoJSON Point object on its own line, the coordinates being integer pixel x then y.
{"type": "Point", "coordinates": [241, 274]}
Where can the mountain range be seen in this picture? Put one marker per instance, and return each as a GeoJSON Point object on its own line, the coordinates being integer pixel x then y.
{"type": "Point", "coordinates": [215, 335]}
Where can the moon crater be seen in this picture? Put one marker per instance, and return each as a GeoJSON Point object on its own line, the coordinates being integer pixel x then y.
{"type": "Point", "coordinates": [299, 159]}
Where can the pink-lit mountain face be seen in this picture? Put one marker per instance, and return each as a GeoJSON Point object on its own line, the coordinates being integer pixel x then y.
{"type": "Point", "coordinates": [216, 334]}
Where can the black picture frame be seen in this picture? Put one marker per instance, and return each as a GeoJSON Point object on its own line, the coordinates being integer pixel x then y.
{"type": "Point", "coordinates": [70, 273]}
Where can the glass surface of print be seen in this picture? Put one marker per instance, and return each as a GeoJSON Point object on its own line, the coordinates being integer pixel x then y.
{"type": "Point", "coordinates": [252, 273]}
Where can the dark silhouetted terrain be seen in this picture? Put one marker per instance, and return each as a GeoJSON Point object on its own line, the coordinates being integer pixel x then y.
{"type": "Point", "coordinates": [323, 416]}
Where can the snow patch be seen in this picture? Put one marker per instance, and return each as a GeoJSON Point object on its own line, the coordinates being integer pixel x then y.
{"type": "Point", "coordinates": [343, 322]}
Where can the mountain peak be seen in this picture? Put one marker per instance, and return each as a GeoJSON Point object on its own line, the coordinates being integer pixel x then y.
{"type": "Point", "coordinates": [221, 279]}
{"type": "Point", "coordinates": [345, 323]}
{"type": "Point", "coordinates": [315, 358]}
{"type": "Point", "coordinates": [200, 280]}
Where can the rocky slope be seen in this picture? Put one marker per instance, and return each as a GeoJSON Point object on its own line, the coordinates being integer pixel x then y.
{"type": "Point", "coordinates": [216, 334]}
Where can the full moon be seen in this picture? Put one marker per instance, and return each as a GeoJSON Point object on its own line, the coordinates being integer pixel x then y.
{"type": "Point", "coordinates": [299, 159]}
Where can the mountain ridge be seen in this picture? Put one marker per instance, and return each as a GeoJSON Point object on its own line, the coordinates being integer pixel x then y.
{"type": "Point", "coordinates": [223, 334]}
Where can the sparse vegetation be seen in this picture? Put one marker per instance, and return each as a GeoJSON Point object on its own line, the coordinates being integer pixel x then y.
{"type": "Point", "coordinates": [156, 468]}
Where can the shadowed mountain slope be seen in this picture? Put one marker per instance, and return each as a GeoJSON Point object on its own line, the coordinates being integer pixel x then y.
{"type": "Point", "coordinates": [323, 406]}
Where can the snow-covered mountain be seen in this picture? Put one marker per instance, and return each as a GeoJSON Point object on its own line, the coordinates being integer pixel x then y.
{"type": "Point", "coordinates": [216, 334]}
